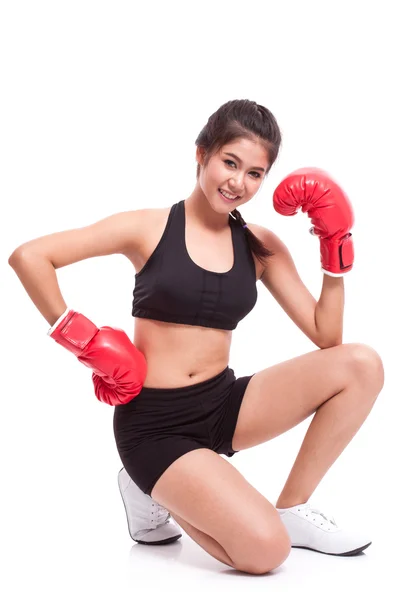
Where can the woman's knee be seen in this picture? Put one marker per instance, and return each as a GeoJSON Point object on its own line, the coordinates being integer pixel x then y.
{"type": "Point", "coordinates": [366, 364]}
{"type": "Point", "coordinates": [268, 552]}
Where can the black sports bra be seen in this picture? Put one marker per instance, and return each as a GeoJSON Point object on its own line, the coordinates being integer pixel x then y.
{"type": "Point", "coordinates": [172, 288]}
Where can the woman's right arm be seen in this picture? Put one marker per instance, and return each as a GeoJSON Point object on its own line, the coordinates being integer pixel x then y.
{"type": "Point", "coordinates": [35, 262]}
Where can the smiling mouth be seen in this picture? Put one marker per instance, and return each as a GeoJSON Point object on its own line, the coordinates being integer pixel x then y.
{"type": "Point", "coordinates": [234, 199]}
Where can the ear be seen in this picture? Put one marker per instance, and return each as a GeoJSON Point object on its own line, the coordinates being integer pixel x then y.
{"type": "Point", "coordinates": [200, 155]}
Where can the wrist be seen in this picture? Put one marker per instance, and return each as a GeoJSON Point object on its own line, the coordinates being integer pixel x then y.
{"type": "Point", "coordinates": [56, 324]}
{"type": "Point", "coordinates": [333, 274]}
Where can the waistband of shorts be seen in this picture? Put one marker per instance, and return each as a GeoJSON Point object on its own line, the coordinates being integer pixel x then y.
{"type": "Point", "coordinates": [200, 386]}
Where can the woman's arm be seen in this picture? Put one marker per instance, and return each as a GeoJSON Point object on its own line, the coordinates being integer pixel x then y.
{"type": "Point", "coordinates": [282, 280]}
{"type": "Point", "coordinates": [35, 262]}
{"type": "Point", "coordinates": [329, 310]}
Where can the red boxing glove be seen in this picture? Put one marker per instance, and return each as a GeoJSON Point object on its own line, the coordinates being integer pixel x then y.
{"type": "Point", "coordinates": [119, 368]}
{"type": "Point", "coordinates": [331, 213]}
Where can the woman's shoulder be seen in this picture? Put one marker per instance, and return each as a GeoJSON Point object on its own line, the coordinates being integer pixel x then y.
{"type": "Point", "coordinates": [148, 225]}
{"type": "Point", "coordinates": [152, 218]}
{"type": "Point", "coordinates": [266, 236]}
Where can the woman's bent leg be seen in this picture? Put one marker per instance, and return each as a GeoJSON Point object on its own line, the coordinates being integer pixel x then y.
{"type": "Point", "coordinates": [226, 515]}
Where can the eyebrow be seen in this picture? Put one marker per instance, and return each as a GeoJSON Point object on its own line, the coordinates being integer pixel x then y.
{"type": "Point", "coordinates": [238, 159]}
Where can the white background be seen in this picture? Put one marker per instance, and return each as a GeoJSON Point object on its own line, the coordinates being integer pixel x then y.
{"type": "Point", "coordinates": [101, 103]}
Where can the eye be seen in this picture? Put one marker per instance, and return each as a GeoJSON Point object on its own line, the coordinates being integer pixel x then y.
{"type": "Point", "coordinates": [254, 172]}
{"type": "Point", "coordinates": [229, 161]}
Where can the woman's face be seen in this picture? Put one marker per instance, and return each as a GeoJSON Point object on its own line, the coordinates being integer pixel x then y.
{"type": "Point", "coordinates": [239, 176]}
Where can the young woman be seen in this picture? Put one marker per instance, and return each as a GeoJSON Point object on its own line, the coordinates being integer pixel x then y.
{"type": "Point", "coordinates": [178, 405]}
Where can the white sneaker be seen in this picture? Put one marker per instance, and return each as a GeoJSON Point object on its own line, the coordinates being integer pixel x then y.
{"type": "Point", "coordinates": [148, 522]}
{"type": "Point", "coordinates": [309, 528]}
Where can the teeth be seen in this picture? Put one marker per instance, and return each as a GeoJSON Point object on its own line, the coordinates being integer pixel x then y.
{"type": "Point", "coordinates": [227, 195]}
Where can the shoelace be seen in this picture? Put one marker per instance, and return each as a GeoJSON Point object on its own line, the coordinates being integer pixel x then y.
{"type": "Point", "coordinates": [315, 511]}
{"type": "Point", "coordinates": [160, 515]}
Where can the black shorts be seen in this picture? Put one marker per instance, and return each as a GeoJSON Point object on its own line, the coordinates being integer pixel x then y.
{"type": "Point", "coordinates": [160, 425]}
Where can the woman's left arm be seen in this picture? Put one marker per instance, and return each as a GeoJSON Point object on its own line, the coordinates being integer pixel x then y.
{"type": "Point", "coordinates": [327, 205]}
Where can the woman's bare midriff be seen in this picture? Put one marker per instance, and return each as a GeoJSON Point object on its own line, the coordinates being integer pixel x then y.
{"type": "Point", "coordinates": [181, 355]}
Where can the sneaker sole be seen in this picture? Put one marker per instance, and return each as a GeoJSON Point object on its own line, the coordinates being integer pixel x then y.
{"type": "Point", "coordinates": [351, 553]}
{"type": "Point", "coordinates": [158, 543]}
{"type": "Point", "coordinates": [161, 542]}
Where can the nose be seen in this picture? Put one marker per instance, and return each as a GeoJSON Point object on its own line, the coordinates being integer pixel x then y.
{"type": "Point", "coordinates": [236, 184]}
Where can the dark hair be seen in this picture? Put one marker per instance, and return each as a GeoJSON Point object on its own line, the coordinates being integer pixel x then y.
{"type": "Point", "coordinates": [242, 119]}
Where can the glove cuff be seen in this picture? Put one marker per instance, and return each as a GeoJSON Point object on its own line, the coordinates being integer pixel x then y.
{"type": "Point", "coordinates": [74, 332]}
{"type": "Point", "coordinates": [337, 255]}
{"type": "Point", "coordinates": [333, 274]}
{"type": "Point", "coordinates": [56, 324]}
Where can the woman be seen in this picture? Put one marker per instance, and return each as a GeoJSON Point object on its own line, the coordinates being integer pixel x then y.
{"type": "Point", "coordinates": [181, 406]}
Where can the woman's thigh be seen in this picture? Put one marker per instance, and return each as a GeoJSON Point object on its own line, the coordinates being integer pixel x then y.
{"type": "Point", "coordinates": [207, 492]}
{"type": "Point", "coordinates": [279, 397]}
